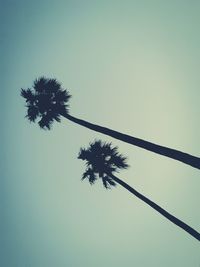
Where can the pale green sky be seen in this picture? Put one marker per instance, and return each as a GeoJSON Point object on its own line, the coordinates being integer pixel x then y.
{"type": "Point", "coordinates": [132, 66]}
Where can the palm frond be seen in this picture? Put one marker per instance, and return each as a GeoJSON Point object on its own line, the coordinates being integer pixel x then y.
{"type": "Point", "coordinates": [119, 161]}
{"type": "Point", "coordinates": [62, 96]}
{"type": "Point", "coordinates": [53, 85]}
{"type": "Point", "coordinates": [28, 95]}
{"type": "Point", "coordinates": [90, 175]}
{"type": "Point", "coordinates": [108, 182]}
{"type": "Point", "coordinates": [92, 178]}
{"type": "Point", "coordinates": [40, 84]}
{"type": "Point", "coordinates": [32, 113]}
{"type": "Point", "coordinates": [83, 154]}
{"type": "Point", "coordinates": [45, 122]}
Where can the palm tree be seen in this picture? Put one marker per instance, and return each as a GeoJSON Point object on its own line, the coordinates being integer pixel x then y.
{"type": "Point", "coordinates": [47, 101]}
{"type": "Point", "coordinates": [102, 160]}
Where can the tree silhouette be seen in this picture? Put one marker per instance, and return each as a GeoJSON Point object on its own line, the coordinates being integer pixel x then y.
{"type": "Point", "coordinates": [102, 160]}
{"type": "Point", "coordinates": [47, 101]}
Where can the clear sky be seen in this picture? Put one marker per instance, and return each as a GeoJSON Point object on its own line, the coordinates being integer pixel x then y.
{"type": "Point", "coordinates": [132, 66]}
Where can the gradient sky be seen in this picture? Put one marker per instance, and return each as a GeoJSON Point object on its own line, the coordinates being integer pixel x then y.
{"type": "Point", "coordinates": [132, 66]}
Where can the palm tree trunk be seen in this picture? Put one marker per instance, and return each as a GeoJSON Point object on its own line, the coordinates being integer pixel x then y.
{"type": "Point", "coordinates": [152, 204]}
{"type": "Point", "coordinates": [161, 150]}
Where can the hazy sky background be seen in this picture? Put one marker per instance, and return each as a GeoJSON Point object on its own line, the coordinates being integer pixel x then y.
{"type": "Point", "coordinates": [132, 66]}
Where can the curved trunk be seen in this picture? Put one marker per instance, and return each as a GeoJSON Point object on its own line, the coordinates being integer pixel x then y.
{"type": "Point", "coordinates": [152, 204]}
{"type": "Point", "coordinates": [164, 151]}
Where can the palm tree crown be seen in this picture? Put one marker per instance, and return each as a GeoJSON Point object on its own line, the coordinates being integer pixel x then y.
{"type": "Point", "coordinates": [46, 101]}
{"type": "Point", "coordinates": [101, 160]}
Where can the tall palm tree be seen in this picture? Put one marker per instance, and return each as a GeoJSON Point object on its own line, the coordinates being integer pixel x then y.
{"type": "Point", "coordinates": [47, 101]}
{"type": "Point", "coordinates": [102, 160]}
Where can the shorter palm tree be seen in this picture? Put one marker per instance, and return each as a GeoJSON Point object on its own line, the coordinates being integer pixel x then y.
{"type": "Point", "coordinates": [102, 160]}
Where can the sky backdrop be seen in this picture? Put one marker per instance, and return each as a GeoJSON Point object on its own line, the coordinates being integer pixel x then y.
{"type": "Point", "coordinates": [132, 66]}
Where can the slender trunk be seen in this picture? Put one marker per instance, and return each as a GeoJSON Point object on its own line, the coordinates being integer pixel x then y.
{"type": "Point", "coordinates": [165, 151]}
{"type": "Point", "coordinates": [152, 204]}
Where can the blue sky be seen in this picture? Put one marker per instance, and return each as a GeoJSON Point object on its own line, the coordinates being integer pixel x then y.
{"type": "Point", "coordinates": [132, 66]}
